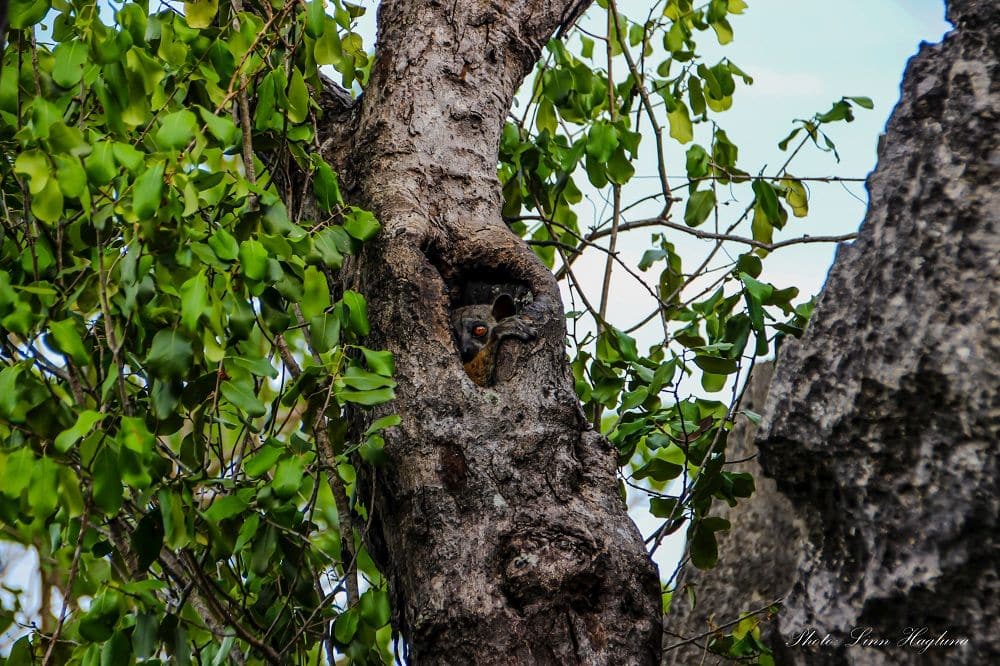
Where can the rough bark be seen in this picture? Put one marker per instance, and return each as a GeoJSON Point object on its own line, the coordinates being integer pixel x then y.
{"type": "Point", "coordinates": [497, 519]}
{"type": "Point", "coordinates": [881, 428]}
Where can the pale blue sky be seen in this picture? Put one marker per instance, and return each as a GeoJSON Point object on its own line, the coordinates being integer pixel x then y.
{"type": "Point", "coordinates": [803, 55]}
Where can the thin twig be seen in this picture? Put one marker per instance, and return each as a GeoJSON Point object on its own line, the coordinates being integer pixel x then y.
{"type": "Point", "coordinates": [73, 568]}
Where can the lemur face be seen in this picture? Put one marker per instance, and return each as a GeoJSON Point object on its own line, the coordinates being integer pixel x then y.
{"type": "Point", "coordinates": [474, 324]}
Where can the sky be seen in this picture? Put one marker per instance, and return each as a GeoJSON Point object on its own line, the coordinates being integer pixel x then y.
{"type": "Point", "coordinates": [803, 54]}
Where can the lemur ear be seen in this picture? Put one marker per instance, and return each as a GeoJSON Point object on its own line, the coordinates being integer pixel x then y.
{"type": "Point", "coordinates": [503, 307]}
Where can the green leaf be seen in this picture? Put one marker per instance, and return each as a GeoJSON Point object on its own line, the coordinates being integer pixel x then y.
{"type": "Point", "coordinates": [288, 477]}
{"type": "Point", "coordinates": [315, 19]}
{"type": "Point", "coordinates": [673, 39]}
{"type": "Point", "coordinates": [15, 472]}
{"type": "Point", "coordinates": [100, 164]}
{"type": "Point", "coordinates": [750, 264]}
{"type": "Point", "coordinates": [70, 57]}
{"type": "Point", "coordinates": [255, 365]}
{"type": "Point", "coordinates": [723, 30]}
{"type": "Point", "coordinates": [71, 176]}
{"type": "Point", "coordinates": [47, 205]}
{"type": "Point", "coordinates": [767, 199]}
{"type": "Point", "coordinates": [602, 141]}
{"type": "Point", "coordinates": [262, 461]}
{"type": "Point", "coordinates": [227, 507]}
{"type": "Point", "coordinates": [170, 355]}
{"type": "Point", "coordinates": [697, 162]}
{"type": "Point", "coordinates": [380, 361]}
{"type": "Point", "coordinates": [177, 130]}
{"type": "Point", "coordinates": [704, 549]}
{"type": "Point", "coordinates": [696, 96]}
{"type": "Point", "coordinates": [21, 653]}
{"type": "Point", "coordinates": [84, 423]}
{"type": "Point", "coordinates": [324, 331]}
{"type": "Point", "coordinates": [383, 423]}
{"type": "Point", "coordinates": [759, 290]}
{"type": "Point", "coordinates": [117, 651]}
{"type": "Point", "coordinates": [144, 636]}
{"type": "Point", "coordinates": [619, 167]}
{"type": "Point", "coordinates": [633, 399]}
{"type": "Point", "coordinates": [325, 185]}
{"type": "Point", "coordinates": [357, 312]}
{"type": "Point", "coordinates": [66, 337]}
{"type": "Point", "coordinates": [253, 259]}
{"type": "Point", "coordinates": [224, 245]}
{"type": "Point", "coordinates": [545, 119]}
{"type": "Point", "coordinates": [716, 365]}
{"type": "Point", "coordinates": [298, 98]}
{"type": "Point", "coordinates": [864, 102]}
{"type": "Point", "coordinates": [148, 191]}
{"type": "Point", "coordinates": [175, 532]}
{"type": "Point", "coordinates": [712, 382]}
{"type": "Point", "coordinates": [374, 606]}
{"type": "Point", "coordinates": [247, 531]}
{"type": "Point", "coordinates": [796, 196]}
{"type": "Point", "coordinates": [680, 123]}
{"type": "Point", "coordinates": [194, 300]}
{"type": "Point", "coordinates": [329, 49]}
{"type": "Point", "coordinates": [699, 206]}
{"type": "Point", "coordinates": [659, 470]}
{"type": "Point", "coordinates": [26, 13]}
{"type": "Point", "coordinates": [35, 165]}
{"type": "Point", "coordinates": [346, 625]}
{"type": "Point", "coordinates": [362, 380]}
{"type": "Point", "coordinates": [839, 111]}
{"type": "Point", "coordinates": [199, 13]}
{"type": "Point", "coordinates": [315, 293]}
{"type": "Point", "coordinates": [98, 624]}
{"type": "Point", "coordinates": [221, 128]}
{"type": "Point", "coordinates": [625, 344]}
{"type": "Point", "coordinates": [703, 545]}
{"type": "Point", "coordinates": [367, 398]}
{"type": "Point", "coordinates": [361, 224]}
{"type": "Point", "coordinates": [43, 493]}
{"type": "Point", "coordinates": [135, 436]}
{"type": "Point", "coordinates": [663, 507]}
{"type": "Point", "coordinates": [107, 481]}
{"type": "Point", "coordinates": [783, 144]}
{"type": "Point", "coordinates": [243, 399]}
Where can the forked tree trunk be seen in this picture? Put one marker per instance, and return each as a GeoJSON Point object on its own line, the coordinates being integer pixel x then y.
{"type": "Point", "coordinates": [497, 518]}
{"type": "Point", "coordinates": [881, 429]}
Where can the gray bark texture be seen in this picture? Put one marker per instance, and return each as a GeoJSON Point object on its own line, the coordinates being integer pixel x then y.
{"type": "Point", "coordinates": [497, 519]}
{"type": "Point", "coordinates": [881, 427]}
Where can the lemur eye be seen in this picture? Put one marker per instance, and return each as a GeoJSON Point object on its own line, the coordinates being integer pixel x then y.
{"type": "Point", "coordinates": [479, 331]}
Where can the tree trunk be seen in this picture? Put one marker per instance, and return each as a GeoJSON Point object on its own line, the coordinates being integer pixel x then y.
{"type": "Point", "coordinates": [497, 519]}
{"type": "Point", "coordinates": [881, 427]}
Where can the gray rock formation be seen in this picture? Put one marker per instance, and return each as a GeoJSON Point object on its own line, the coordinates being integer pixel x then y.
{"type": "Point", "coordinates": [882, 424]}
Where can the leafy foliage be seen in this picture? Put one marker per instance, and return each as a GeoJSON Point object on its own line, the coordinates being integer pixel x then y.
{"type": "Point", "coordinates": [177, 352]}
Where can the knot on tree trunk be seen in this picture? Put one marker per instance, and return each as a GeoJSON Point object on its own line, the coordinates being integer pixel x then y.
{"type": "Point", "coordinates": [540, 563]}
